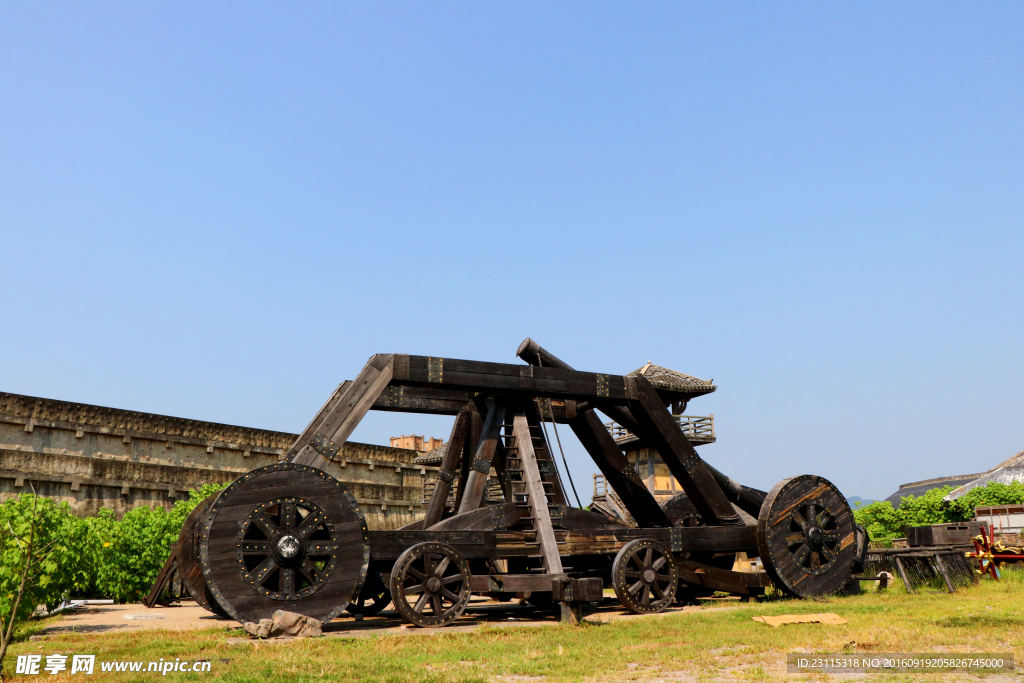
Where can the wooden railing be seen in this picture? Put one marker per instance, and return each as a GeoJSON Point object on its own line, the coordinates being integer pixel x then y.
{"type": "Point", "coordinates": [695, 428]}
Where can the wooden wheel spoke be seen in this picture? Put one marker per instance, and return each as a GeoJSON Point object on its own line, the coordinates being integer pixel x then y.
{"type": "Point", "coordinates": [799, 519]}
{"type": "Point", "coordinates": [793, 539]}
{"type": "Point", "coordinates": [265, 524]}
{"type": "Point", "coordinates": [288, 511]}
{"type": "Point", "coordinates": [416, 572]}
{"type": "Point", "coordinates": [255, 547]}
{"type": "Point", "coordinates": [645, 596]}
{"type": "Point", "coordinates": [659, 563]}
{"type": "Point", "coordinates": [308, 570]}
{"type": "Point", "coordinates": [831, 536]}
{"type": "Point", "coordinates": [815, 560]}
{"type": "Point", "coordinates": [421, 603]}
{"type": "Point", "coordinates": [319, 548]}
{"type": "Point", "coordinates": [435, 604]}
{"type": "Point", "coordinates": [448, 594]}
{"type": "Point", "coordinates": [663, 577]}
{"type": "Point", "coordinates": [439, 569]}
{"type": "Point", "coordinates": [648, 556]}
{"type": "Point", "coordinates": [636, 587]}
{"type": "Point", "coordinates": [657, 591]}
{"type": "Point", "coordinates": [412, 590]}
{"type": "Point", "coordinates": [310, 524]}
{"type": "Point", "coordinates": [263, 569]}
{"type": "Point", "coordinates": [632, 574]}
{"type": "Point", "coordinates": [827, 553]}
{"type": "Point", "coordinates": [801, 555]}
{"type": "Point", "coordinates": [451, 579]}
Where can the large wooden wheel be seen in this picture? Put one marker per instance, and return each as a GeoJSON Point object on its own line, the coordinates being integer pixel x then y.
{"type": "Point", "coordinates": [189, 568]}
{"type": "Point", "coordinates": [286, 537]}
{"type": "Point", "coordinates": [645, 576]}
{"type": "Point", "coordinates": [430, 584]}
{"type": "Point", "coordinates": [805, 534]}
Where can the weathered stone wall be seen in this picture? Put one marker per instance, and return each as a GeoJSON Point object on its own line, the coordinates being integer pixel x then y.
{"type": "Point", "coordinates": [94, 457]}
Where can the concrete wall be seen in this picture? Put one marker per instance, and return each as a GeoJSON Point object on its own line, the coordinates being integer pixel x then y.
{"type": "Point", "coordinates": [93, 457]}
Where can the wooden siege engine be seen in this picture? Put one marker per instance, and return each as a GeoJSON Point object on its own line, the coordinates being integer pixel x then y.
{"type": "Point", "coordinates": [289, 536]}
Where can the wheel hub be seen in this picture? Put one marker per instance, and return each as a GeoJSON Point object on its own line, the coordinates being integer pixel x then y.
{"type": "Point", "coordinates": [434, 584]}
{"type": "Point", "coordinates": [815, 538]}
{"type": "Point", "coordinates": [649, 575]}
{"type": "Point", "coordinates": [287, 548]}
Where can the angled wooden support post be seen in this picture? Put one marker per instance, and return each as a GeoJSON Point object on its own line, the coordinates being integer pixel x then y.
{"type": "Point", "coordinates": [344, 414]}
{"type": "Point", "coordinates": [480, 467]}
{"type": "Point", "coordinates": [657, 428]}
{"type": "Point", "coordinates": [549, 468]}
{"type": "Point", "coordinates": [310, 429]}
{"type": "Point", "coordinates": [446, 475]}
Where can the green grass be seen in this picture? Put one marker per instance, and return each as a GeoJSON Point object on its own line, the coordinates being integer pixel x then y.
{"type": "Point", "coordinates": [715, 642]}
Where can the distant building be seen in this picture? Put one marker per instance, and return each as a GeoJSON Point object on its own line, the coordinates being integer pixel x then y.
{"type": "Point", "coordinates": [416, 443]}
{"type": "Point", "coordinates": [1008, 471]}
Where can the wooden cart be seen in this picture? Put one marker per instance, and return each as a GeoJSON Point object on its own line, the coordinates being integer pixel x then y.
{"type": "Point", "coordinates": [290, 537]}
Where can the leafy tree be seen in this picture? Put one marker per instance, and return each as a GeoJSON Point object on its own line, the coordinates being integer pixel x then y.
{"type": "Point", "coordinates": [34, 561]}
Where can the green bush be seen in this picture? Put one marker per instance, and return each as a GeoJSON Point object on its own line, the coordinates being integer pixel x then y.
{"type": "Point", "coordinates": [94, 557]}
{"type": "Point", "coordinates": [885, 523]}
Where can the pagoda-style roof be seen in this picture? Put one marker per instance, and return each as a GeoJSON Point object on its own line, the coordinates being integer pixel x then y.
{"type": "Point", "coordinates": [432, 457]}
{"type": "Point", "coordinates": [673, 381]}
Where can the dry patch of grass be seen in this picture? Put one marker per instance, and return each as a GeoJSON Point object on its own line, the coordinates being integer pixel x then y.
{"type": "Point", "coordinates": [711, 644]}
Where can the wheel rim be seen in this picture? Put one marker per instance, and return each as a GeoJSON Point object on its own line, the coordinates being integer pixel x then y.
{"type": "Point", "coordinates": [645, 576]}
{"type": "Point", "coordinates": [430, 584]}
{"type": "Point", "coordinates": [806, 536]}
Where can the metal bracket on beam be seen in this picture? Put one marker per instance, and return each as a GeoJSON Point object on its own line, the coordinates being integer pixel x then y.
{"type": "Point", "coordinates": [481, 465]}
{"type": "Point", "coordinates": [324, 446]}
{"type": "Point", "coordinates": [446, 475]}
{"type": "Point", "coordinates": [435, 369]}
{"type": "Point", "coordinates": [628, 472]}
{"type": "Point", "coordinates": [676, 539]}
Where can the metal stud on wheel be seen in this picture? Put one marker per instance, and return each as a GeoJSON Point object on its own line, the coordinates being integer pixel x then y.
{"type": "Point", "coordinates": [645, 576]}
{"type": "Point", "coordinates": [806, 537]}
{"type": "Point", "coordinates": [430, 584]}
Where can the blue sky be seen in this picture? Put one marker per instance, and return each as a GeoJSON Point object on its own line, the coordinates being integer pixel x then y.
{"type": "Point", "coordinates": [220, 210]}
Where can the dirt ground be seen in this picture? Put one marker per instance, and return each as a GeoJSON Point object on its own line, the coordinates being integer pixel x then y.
{"type": "Point", "coordinates": [189, 616]}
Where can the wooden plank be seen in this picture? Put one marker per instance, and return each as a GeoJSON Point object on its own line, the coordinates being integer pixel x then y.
{"type": "Point", "coordinates": [656, 427]}
{"type": "Point", "coordinates": [432, 400]}
{"type": "Point", "coordinates": [446, 475]}
{"type": "Point", "coordinates": [945, 576]}
{"type": "Point", "coordinates": [480, 519]}
{"type": "Point", "coordinates": [476, 481]}
{"type": "Point", "coordinates": [719, 579]}
{"type": "Point", "coordinates": [538, 498]}
{"type": "Point", "coordinates": [514, 583]}
{"type": "Point", "coordinates": [342, 420]}
{"type": "Point", "coordinates": [162, 578]}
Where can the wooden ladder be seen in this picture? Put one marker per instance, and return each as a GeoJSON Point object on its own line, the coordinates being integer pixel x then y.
{"type": "Point", "coordinates": [530, 490]}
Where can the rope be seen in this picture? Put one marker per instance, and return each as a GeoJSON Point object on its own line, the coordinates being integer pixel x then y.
{"type": "Point", "coordinates": [554, 425]}
{"type": "Point", "coordinates": [547, 438]}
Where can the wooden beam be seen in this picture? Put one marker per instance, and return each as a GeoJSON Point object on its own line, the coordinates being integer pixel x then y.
{"type": "Point", "coordinates": [346, 413]}
{"type": "Point", "coordinates": [446, 474]}
{"type": "Point", "coordinates": [619, 474]}
{"type": "Point", "coordinates": [476, 426]}
{"type": "Point", "coordinates": [433, 400]}
{"type": "Point", "coordinates": [657, 427]}
{"type": "Point", "coordinates": [506, 378]}
{"type": "Point", "coordinates": [480, 467]}
{"type": "Point", "coordinates": [311, 428]}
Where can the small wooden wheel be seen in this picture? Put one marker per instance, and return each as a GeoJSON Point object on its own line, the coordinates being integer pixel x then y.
{"type": "Point", "coordinates": [430, 584]}
{"type": "Point", "coordinates": [645, 576]}
{"type": "Point", "coordinates": [374, 597]}
{"type": "Point", "coordinates": [806, 537]}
